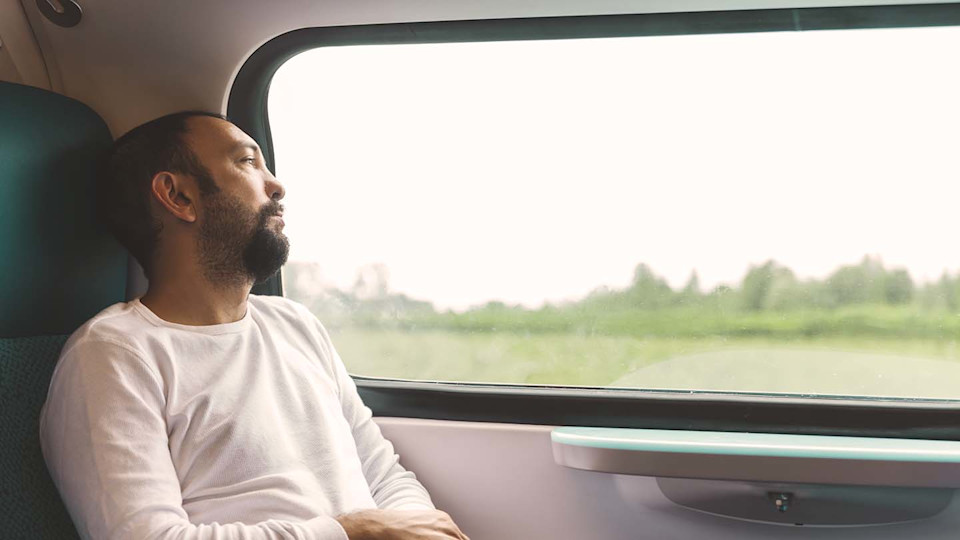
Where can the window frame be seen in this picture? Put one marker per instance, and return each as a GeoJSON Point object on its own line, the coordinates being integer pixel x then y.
{"type": "Point", "coordinates": [609, 407]}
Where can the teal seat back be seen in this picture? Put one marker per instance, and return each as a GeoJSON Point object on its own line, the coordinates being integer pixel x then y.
{"type": "Point", "coordinates": [57, 269]}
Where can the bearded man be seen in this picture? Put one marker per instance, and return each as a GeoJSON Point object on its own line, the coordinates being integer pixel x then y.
{"type": "Point", "coordinates": [199, 410]}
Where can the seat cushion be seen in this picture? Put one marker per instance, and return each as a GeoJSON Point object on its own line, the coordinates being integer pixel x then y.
{"type": "Point", "coordinates": [31, 505]}
{"type": "Point", "coordinates": [59, 268]}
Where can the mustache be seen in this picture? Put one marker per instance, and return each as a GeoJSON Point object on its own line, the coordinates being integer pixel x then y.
{"type": "Point", "coordinates": [270, 209]}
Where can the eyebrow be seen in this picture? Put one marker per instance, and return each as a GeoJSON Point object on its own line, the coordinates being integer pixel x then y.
{"type": "Point", "coordinates": [246, 146]}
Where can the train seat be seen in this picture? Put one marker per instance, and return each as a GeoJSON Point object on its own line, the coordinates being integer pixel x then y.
{"type": "Point", "coordinates": [57, 269]}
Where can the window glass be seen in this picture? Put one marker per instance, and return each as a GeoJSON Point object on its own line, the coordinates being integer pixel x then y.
{"type": "Point", "coordinates": [767, 212]}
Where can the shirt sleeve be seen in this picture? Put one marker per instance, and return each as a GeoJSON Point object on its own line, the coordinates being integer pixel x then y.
{"type": "Point", "coordinates": [391, 485]}
{"type": "Point", "coordinates": [104, 438]}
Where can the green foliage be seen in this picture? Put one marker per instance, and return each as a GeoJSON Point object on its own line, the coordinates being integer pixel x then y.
{"type": "Point", "coordinates": [898, 287]}
{"type": "Point", "coordinates": [864, 299]}
{"type": "Point", "coordinates": [769, 286]}
{"type": "Point", "coordinates": [648, 291]}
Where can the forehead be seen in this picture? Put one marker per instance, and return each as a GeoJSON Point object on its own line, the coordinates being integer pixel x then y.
{"type": "Point", "coordinates": [208, 136]}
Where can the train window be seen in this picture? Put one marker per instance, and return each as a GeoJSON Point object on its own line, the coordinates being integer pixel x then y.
{"type": "Point", "coordinates": [767, 213]}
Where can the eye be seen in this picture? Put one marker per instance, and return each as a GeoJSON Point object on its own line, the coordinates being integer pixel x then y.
{"type": "Point", "coordinates": [250, 159]}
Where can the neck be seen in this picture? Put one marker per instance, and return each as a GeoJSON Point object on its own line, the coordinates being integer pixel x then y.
{"type": "Point", "coordinates": [191, 299]}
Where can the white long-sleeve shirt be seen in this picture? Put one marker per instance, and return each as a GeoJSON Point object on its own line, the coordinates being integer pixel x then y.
{"type": "Point", "coordinates": [245, 430]}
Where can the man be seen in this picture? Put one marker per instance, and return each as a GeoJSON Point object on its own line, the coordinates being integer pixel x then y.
{"type": "Point", "coordinates": [199, 411]}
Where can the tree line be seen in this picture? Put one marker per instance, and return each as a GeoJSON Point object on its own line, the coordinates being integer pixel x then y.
{"type": "Point", "coordinates": [771, 286]}
{"type": "Point", "coordinates": [862, 299]}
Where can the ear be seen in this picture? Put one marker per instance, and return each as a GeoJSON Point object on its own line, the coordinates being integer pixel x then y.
{"type": "Point", "coordinates": [177, 194]}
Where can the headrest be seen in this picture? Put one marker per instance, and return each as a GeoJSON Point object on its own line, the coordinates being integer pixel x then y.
{"type": "Point", "coordinates": [57, 267]}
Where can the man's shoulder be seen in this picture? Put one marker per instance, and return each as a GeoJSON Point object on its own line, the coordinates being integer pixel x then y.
{"type": "Point", "coordinates": [294, 319]}
{"type": "Point", "coordinates": [281, 307]}
{"type": "Point", "coordinates": [115, 324]}
{"type": "Point", "coordinates": [271, 300]}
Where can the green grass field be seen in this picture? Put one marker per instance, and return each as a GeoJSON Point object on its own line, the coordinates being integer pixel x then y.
{"type": "Point", "coordinates": [862, 330]}
{"type": "Point", "coordinates": [829, 365]}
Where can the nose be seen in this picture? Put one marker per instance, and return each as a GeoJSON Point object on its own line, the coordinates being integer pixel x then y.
{"type": "Point", "coordinates": [274, 188]}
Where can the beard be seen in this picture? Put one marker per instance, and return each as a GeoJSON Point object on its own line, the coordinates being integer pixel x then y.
{"type": "Point", "coordinates": [236, 244]}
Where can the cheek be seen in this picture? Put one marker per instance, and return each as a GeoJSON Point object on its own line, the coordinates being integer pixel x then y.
{"type": "Point", "coordinates": [249, 195]}
{"type": "Point", "coordinates": [255, 194]}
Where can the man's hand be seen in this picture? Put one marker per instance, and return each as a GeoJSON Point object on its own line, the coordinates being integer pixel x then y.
{"type": "Point", "coordinates": [400, 525]}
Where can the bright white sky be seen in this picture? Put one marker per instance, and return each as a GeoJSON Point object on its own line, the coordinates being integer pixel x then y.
{"type": "Point", "coordinates": [537, 171]}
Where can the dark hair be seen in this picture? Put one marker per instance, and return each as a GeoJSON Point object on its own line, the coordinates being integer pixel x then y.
{"type": "Point", "coordinates": [123, 190]}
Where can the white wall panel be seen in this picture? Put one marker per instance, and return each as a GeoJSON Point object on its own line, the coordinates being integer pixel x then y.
{"type": "Point", "coordinates": [500, 482]}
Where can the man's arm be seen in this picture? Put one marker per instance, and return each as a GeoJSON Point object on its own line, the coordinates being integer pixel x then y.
{"type": "Point", "coordinates": [404, 506]}
{"type": "Point", "coordinates": [391, 485]}
{"type": "Point", "coordinates": [105, 442]}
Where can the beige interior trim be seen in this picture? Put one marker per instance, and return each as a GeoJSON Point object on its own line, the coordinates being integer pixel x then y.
{"type": "Point", "coordinates": [8, 70]}
{"type": "Point", "coordinates": [37, 24]}
{"type": "Point", "coordinates": [20, 58]}
{"type": "Point", "coordinates": [132, 61]}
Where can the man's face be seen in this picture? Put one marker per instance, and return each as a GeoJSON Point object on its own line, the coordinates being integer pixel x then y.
{"type": "Point", "coordinates": [240, 235]}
